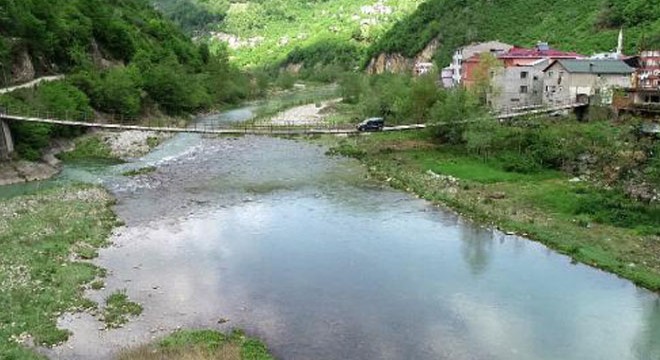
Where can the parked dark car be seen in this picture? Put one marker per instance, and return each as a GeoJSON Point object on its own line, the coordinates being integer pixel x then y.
{"type": "Point", "coordinates": [371, 124]}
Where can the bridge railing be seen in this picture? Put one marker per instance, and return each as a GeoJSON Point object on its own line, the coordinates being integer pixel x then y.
{"type": "Point", "coordinates": [534, 108]}
{"type": "Point", "coordinates": [288, 127]}
{"type": "Point", "coordinates": [92, 119]}
{"type": "Point", "coordinates": [19, 110]}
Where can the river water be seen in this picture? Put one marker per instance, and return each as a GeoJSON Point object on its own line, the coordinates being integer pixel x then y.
{"type": "Point", "coordinates": [304, 251]}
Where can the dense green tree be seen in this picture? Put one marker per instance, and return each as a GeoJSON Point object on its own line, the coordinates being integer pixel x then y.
{"type": "Point", "coordinates": [451, 115]}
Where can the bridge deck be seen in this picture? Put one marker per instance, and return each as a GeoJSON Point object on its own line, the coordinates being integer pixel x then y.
{"type": "Point", "coordinates": [204, 129]}
{"type": "Point", "coordinates": [538, 111]}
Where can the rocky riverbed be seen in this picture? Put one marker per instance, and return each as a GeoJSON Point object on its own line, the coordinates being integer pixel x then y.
{"type": "Point", "coordinates": [127, 145]}
{"type": "Point", "coordinates": [124, 145]}
{"type": "Point", "coordinates": [16, 172]}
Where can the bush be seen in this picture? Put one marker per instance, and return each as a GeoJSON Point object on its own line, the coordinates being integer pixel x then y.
{"type": "Point", "coordinates": [520, 163]}
{"type": "Point", "coordinates": [451, 115]}
{"type": "Point", "coordinates": [614, 208]}
{"type": "Point", "coordinates": [62, 100]}
{"type": "Point", "coordinates": [652, 170]}
{"type": "Point", "coordinates": [351, 87]}
{"type": "Point", "coordinates": [118, 92]}
{"type": "Point", "coordinates": [30, 138]}
{"type": "Point", "coordinates": [285, 80]}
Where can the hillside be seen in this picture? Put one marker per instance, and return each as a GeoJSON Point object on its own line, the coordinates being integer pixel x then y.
{"type": "Point", "coordinates": [261, 32]}
{"type": "Point", "coordinates": [59, 35]}
{"type": "Point", "coordinates": [193, 16]}
{"type": "Point", "coordinates": [585, 26]}
{"type": "Point", "coordinates": [122, 58]}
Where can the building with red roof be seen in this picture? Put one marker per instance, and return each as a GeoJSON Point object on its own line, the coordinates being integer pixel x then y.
{"type": "Point", "coordinates": [542, 51]}
{"type": "Point", "coordinates": [516, 56]}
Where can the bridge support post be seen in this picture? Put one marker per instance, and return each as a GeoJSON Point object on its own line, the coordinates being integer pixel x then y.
{"type": "Point", "coordinates": [581, 112]}
{"type": "Point", "coordinates": [6, 142]}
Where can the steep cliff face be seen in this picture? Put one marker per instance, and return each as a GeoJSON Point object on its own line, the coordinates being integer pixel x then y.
{"type": "Point", "coordinates": [22, 69]}
{"type": "Point", "coordinates": [394, 63]}
{"type": "Point", "coordinates": [426, 55]}
{"type": "Point", "coordinates": [397, 63]}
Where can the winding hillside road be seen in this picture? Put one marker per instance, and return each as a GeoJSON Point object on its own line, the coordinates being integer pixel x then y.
{"type": "Point", "coordinates": [31, 84]}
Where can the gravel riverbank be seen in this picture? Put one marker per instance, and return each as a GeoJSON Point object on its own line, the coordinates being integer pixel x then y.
{"type": "Point", "coordinates": [310, 114]}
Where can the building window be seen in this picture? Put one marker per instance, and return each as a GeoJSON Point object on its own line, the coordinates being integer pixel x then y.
{"type": "Point", "coordinates": [553, 89]}
{"type": "Point", "coordinates": [523, 75]}
{"type": "Point", "coordinates": [551, 74]}
{"type": "Point", "coordinates": [524, 89]}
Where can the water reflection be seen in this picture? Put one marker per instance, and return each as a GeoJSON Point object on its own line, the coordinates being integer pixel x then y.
{"type": "Point", "coordinates": [647, 345]}
{"type": "Point", "coordinates": [476, 248]}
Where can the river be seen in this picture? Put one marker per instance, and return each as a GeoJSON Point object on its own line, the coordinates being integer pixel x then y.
{"type": "Point", "coordinates": [306, 252]}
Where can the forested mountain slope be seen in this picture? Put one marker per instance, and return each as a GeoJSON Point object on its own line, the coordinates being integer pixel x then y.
{"type": "Point", "coordinates": [585, 26]}
{"type": "Point", "coordinates": [193, 16]}
{"type": "Point", "coordinates": [59, 35]}
{"type": "Point", "coordinates": [121, 58]}
{"type": "Point", "coordinates": [263, 32]}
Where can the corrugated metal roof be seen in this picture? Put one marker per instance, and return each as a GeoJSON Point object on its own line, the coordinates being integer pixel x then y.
{"type": "Point", "coordinates": [596, 66]}
{"type": "Point", "coordinates": [538, 53]}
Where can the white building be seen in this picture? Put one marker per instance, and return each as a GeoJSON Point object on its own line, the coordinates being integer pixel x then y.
{"type": "Point", "coordinates": [452, 76]}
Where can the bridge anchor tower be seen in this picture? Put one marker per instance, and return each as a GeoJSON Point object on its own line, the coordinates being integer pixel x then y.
{"type": "Point", "coordinates": [6, 142]}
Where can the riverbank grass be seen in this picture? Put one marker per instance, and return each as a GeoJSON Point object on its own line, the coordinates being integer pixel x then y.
{"type": "Point", "coordinates": [594, 225]}
{"type": "Point", "coordinates": [40, 274]}
{"type": "Point", "coordinates": [89, 147]}
{"type": "Point", "coordinates": [118, 308]}
{"type": "Point", "coordinates": [201, 345]}
{"type": "Point", "coordinates": [141, 171]}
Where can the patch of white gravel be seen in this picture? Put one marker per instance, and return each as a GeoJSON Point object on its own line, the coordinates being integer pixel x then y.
{"type": "Point", "coordinates": [131, 144]}
{"type": "Point", "coordinates": [310, 114]}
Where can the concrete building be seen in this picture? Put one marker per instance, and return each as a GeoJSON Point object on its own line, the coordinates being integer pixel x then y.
{"type": "Point", "coordinates": [569, 80]}
{"type": "Point", "coordinates": [515, 57]}
{"type": "Point", "coordinates": [518, 86]}
{"type": "Point", "coordinates": [517, 82]}
{"type": "Point", "coordinates": [644, 92]}
{"type": "Point", "coordinates": [648, 75]}
{"type": "Point", "coordinates": [452, 75]}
